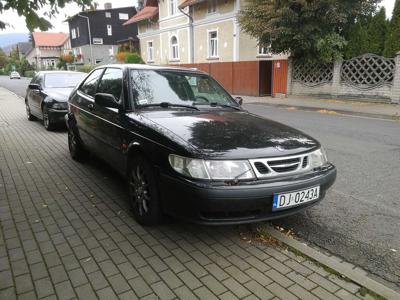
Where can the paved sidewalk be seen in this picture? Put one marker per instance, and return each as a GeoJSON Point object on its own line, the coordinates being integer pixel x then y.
{"type": "Point", "coordinates": [66, 233]}
{"type": "Point", "coordinates": [330, 105]}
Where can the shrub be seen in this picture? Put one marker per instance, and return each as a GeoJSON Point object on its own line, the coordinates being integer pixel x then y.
{"type": "Point", "coordinates": [85, 68]}
{"type": "Point", "coordinates": [29, 73]}
{"type": "Point", "coordinates": [133, 58]}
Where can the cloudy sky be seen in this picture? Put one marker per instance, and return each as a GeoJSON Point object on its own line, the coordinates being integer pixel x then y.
{"type": "Point", "coordinates": [72, 9]}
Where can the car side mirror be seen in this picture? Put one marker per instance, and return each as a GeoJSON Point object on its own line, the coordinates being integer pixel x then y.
{"type": "Point", "coordinates": [106, 100]}
{"type": "Point", "coordinates": [34, 86]}
{"type": "Point", "coordinates": [239, 100]}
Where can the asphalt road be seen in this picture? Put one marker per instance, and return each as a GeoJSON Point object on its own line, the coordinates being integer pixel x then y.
{"type": "Point", "coordinates": [359, 218]}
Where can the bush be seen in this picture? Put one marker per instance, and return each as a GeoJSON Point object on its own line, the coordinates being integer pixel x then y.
{"type": "Point", "coordinates": [84, 68]}
{"type": "Point", "coordinates": [29, 73]}
{"type": "Point", "coordinates": [133, 58]}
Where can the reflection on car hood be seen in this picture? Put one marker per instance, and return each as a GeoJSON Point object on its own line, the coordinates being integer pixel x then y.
{"type": "Point", "coordinates": [232, 134]}
{"type": "Point", "coordinates": [58, 94]}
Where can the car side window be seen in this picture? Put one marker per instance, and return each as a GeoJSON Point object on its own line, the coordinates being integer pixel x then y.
{"type": "Point", "coordinates": [111, 82]}
{"type": "Point", "coordinates": [90, 85]}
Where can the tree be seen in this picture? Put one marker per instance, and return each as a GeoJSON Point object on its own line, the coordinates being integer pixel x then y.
{"type": "Point", "coordinates": [311, 30]}
{"type": "Point", "coordinates": [392, 44]}
{"type": "Point", "coordinates": [28, 9]}
{"type": "Point", "coordinates": [377, 31]}
{"type": "Point", "coordinates": [357, 40]}
{"type": "Point", "coordinates": [3, 59]}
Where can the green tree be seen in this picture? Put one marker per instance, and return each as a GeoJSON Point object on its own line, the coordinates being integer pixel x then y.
{"type": "Point", "coordinates": [313, 30]}
{"type": "Point", "coordinates": [3, 59]}
{"type": "Point", "coordinates": [377, 30]}
{"type": "Point", "coordinates": [28, 9]}
{"type": "Point", "coordinates": [357, 40]}
{"type": "Point", "coordinates": [392, 43]}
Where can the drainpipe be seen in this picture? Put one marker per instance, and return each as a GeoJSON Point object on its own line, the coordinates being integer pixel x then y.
{"type": "Point", "coordinates": [90, 38]}
{"type": "Point", "coordinates": [191, 34]}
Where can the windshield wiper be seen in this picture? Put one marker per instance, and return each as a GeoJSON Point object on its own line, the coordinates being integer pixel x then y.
{"type": "Point", "coordinates": [169, 104]}
{"type": "Point", "coordinates": [214, 104]}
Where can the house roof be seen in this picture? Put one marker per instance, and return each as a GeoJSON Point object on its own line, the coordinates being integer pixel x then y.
{"type": "Point", "coordinates": [49, 39]}
{"type": "Point", "coordinates": [147, 12]}
{"type": "Point", "coordinates": [190, 3]}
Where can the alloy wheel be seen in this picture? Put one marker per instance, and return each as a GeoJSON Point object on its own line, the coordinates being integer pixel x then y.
{"type": "Point", "coordinates": [140, 194]}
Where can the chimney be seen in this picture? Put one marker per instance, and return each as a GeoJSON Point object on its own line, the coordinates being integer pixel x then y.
{"type": "Point", "coordinates": [107, 5]}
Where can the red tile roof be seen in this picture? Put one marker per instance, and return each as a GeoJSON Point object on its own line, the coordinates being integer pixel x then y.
{"type": "Point", "coordinates": [146, 13]}
{"type": "Point", "coordinates": [49, 39]}
{"type": "Point", "coordinates": [190, 3]}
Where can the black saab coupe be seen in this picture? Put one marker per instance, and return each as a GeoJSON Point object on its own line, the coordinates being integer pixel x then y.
{"type": "Point", "coordinates": [188, 149]}
{"type": "Point", "coordinates": [47, 96]}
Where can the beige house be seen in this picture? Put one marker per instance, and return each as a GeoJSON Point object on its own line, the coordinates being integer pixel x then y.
{"type": "Point", "coordinates": [195, 31]}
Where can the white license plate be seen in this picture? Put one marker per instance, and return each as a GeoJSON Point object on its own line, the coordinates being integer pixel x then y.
{"type": "Point", "coordinates": [286, 200]}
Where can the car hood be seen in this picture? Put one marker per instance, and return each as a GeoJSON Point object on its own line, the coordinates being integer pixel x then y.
{"type": "Point", "coordinates": [231, 134]}
{"type": "Point", "coordinates": [58, 94]}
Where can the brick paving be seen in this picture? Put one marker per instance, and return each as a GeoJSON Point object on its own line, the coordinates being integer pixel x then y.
{"type": "Point", "coordinates": [66, 233]}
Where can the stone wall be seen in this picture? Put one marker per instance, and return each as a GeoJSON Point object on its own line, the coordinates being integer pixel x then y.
{"type": "Point", "coordinates": [365, 77]}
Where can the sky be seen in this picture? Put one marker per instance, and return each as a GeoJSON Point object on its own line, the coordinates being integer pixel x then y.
{"type": "Point", "coordinates": [72, 9]}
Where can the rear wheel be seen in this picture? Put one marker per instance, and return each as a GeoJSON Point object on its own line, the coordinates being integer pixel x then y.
{"type": "Point", "coordinates": [75, 147]}
{"type": "Point", "coordinates": [143, 192]}
{"type": "Point", "coordinates": [47, 123]}
{"type": "Point", "coordinates": [28, 112]}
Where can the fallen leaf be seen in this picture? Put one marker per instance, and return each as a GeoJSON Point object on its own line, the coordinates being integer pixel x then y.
{"type": "Point", "coordinates": [393, 250]}
{"type": "Point", "coordinates": [28, 162]}
{"type": "Point", "coordinates": [88, 259]}
{"type": "Point", "coordinates": [44, 205]}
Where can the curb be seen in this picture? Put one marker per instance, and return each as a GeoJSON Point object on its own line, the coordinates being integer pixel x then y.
{"type": "Point", "coordinates": [352, 274]}
{"type": "Point", "coordinates": [339, 112]}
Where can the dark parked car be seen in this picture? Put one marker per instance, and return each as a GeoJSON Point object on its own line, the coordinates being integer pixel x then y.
{"type": "Point", "coordinates": [189, 150]}
{"type": "Point", "coordinates": [47, 96]}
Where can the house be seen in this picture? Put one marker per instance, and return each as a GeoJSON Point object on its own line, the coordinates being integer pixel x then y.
{"type": "Point", "coordinates": [95, 34]}
{"type": "Point", "coordinates": [47, 47]}
{"type": "Point", "coordinates": [206, 34]}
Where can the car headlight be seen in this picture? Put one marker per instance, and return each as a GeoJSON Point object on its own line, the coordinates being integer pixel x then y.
{"type": "Point", "coordinates": [212, 169]}
{"type": "Point", "coordinates": [60, 105]}
{"type": "Point", "coordinates": [318, 158]}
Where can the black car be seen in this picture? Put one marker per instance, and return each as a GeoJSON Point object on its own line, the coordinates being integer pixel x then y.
{"type": "Point", "coordinates": [47, 96]}
{"type": "Point", "coordinates": [189, 150]}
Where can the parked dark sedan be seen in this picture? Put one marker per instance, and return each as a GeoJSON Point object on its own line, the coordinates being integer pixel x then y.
{"type": "Point", "coordinates": [189, 150]}
{"type": "Point", "coordinates": [47, 96]}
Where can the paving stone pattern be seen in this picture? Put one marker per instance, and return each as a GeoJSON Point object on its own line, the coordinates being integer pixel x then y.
{"type": "Point", "coordinates": [67, 233]}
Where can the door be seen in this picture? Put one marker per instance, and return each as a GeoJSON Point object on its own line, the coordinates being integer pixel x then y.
{"type": "Point", "coordinates": [109, 121]}
{"type": "Point", "coordinates": [83, 103]}
{"type": "Point", "coordinates": [265, 78]}
{"type": "Point", "coordinates": [35, 97]}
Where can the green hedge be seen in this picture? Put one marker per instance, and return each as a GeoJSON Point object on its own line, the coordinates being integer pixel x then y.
{"type": "Point", "coordinates": [29, 73]}
{"type": "Point", "coordinates": [84, 68]}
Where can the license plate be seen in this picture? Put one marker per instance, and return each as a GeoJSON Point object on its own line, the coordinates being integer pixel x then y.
{"type": "Point", "coordinates": [290, 199]}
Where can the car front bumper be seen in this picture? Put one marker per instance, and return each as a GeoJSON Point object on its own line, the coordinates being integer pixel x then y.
{"type": "Point", "coordinates": [57, 115]}
{"type": "Point", "coordinates": [208, 204]}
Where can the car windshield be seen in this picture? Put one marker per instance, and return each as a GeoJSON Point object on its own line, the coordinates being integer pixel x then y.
{"type": "Point", "coordinates": [154, 87]}
{"type": "Point", "coordinates": [62, 80]}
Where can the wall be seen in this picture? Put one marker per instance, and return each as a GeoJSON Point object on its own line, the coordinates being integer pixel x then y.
{"type": "Point", "coordinates": [99, 52]}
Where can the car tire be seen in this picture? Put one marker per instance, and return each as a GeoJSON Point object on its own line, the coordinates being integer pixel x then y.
{"type": "Point", "coordinates": [47, 123]}
{"type": "Point", "coordinates": [75, 146]}
{"type": "Point", "coordinates": [28, 112]}
{"type": "Point", "coordinates": [143, 192]}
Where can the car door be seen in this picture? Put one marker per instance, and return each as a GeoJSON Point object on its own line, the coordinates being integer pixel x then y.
{"type": "Point", "coordinates": [110, 120]}
{"type": "Point", "coordinates": [35, 96]}
{"type": "Point", "coordinates": [83, 104]}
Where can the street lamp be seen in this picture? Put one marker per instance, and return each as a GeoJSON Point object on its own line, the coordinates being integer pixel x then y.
{"type": "Point", "coordinates": [90, 38]}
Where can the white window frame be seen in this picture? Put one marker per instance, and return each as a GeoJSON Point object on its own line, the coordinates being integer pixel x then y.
{"type": "Point", "coordinates": [108, 14]}
{"type": "Point", "coordinates": [73, 33]}
{"type": "Point", "coordinates": [150, 51]}
{"type": "Point", "coordinates": [109, 29]}
{"type": "Point", "coordinates": [264, 51]}
{"type": "Point", "coordinates": [97, 41]}
{"type": "Point", "coordinates": [123, 16]}
{"type": "Point", "coordinates": [172, 47]}
{"type": "Point", "coordinates": [77, 31]}
{"type": "Point", "coordinates": [211, 6]}
{"type": "Point", "coordinates": [172, 7]}
{"type": "Point", "coordinates": [209, 46]}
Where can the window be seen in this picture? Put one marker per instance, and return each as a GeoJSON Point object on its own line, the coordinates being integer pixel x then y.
{"type": "Point", "coordinates": [212, 6]}
{"type": "Point", "coordinates": [150, 51]}
{"type": "Point", "coordinates": [90, 85]}
{"type": "Point", "coordinates": [77, 30]}
{"type": "Point", "coordinates": [212, 44]}
{"type": "Point", "coordinates": [174, 48]}
{"type": "Point", "coordinates": [62, 80]}
{"type": "Point", "coordinates": [264, 50]}
{"type": "Point", "coordinates": [123, 16]}
{"type": "Point", "coordinates": [108, 14]}
{"type": "Point", "coordinates": [172, 7]}
{"type": "Point", "coordinates": [109, 29]}
{"type": "Point", "coordinates": [111, 51]}
{"type": "Point", "coordinates": [97, 41]}
{"type": "Point", "coordinates": [73, 33]}
{"type": "Point", "coordinates": [111, 83]}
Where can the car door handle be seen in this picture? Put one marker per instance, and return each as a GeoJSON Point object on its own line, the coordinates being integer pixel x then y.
{"type": "Point", "coordinates": [90, 106]}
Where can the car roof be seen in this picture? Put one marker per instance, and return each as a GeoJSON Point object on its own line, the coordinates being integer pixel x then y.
{"type": "Point", "coordinates": [152, 67]}
{"type": "Point", "coordinates": [60, 71]}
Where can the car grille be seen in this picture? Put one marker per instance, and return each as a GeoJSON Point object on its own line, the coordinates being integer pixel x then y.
{"type": "Point", "coordinates": [280, 166]}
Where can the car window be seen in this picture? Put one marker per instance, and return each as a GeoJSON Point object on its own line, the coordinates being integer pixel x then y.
{"type": "Point", "coordinates": [90, 85]}
{"type": "Point", "coordinates": [111, 82]}
{"type": "Point", "coordinates": [63, 80]}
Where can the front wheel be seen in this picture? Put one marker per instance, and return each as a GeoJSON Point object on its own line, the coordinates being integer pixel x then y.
{"type": "Point", "coordinates": [143, 193]}
{"type": "Point", "coordinates": [75, 147]}
{"type": "Point", "coordinates": [28, 112]}
{"type": "Point", "coordinates": [47, 123]}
